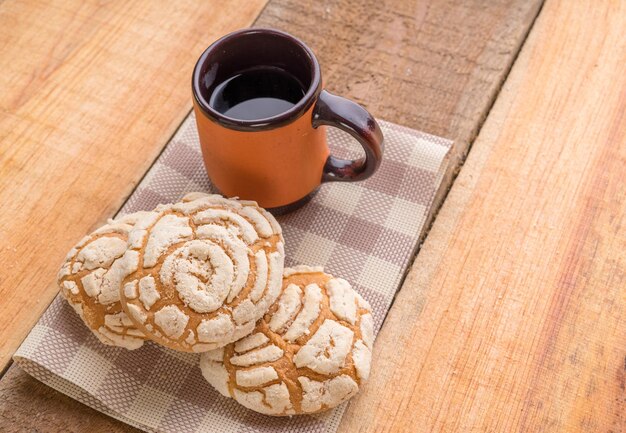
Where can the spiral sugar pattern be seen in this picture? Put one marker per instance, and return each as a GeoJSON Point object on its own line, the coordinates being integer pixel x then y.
{"type": "Point", "coordinates": [207, 269]}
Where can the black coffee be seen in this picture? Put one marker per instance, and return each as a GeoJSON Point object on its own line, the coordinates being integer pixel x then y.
{"type": "Point", "coordinates": [257, 94]}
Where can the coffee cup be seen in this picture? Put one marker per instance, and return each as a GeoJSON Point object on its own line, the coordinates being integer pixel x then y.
{"type": "Point", "coordinates": [261, 113]}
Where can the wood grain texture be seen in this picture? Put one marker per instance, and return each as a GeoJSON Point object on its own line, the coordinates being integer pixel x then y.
{"type": "Point", "coordinates": [90, 93]}
{"type": "Point", "coordinates": [432, 65]}
{"type": "Point", "coordinates": [513, 316]}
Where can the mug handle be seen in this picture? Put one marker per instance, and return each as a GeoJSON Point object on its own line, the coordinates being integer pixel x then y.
{"type": "Point", "coordinates": [333, 110]}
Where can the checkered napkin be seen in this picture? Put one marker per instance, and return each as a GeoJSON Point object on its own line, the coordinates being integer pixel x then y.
{"type": "Point", "coordinates": [365, 232]}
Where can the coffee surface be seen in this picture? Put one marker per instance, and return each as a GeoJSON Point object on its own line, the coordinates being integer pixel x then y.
{"type": "Point", "coordinates": [257, 94]}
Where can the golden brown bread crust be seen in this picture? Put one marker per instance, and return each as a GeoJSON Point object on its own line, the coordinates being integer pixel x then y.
{"type": "Point", "coordinates": [91, 277]}
{"type": "Point", "coordinates": [207, 269]}
{"type": "Point", "coordinates": [309, 353]}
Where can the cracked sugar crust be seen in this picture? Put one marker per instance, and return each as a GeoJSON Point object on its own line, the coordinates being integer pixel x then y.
{"type": "Point", "coordinates": [91, 277]}
{"type": "Point", "coordinates": [208, 268]}
{"type": "Point", "coordinates": [310, 352]}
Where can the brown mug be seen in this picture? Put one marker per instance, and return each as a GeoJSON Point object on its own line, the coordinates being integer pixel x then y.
{"type": "Point", "coordinates": [281, 160]}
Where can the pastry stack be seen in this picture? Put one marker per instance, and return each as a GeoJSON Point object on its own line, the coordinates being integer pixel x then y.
{"type": "Point", "coordinates": [206, 275]}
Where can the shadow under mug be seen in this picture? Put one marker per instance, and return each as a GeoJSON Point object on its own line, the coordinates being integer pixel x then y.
{"type": "Point", "coordinates": [278, 161]}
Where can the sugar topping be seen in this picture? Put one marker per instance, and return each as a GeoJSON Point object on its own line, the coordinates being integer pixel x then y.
{"type": "Point", "coordinates": [309, 353]}
{"type": "Point", "coordinates": [208, 269]}
{"type": "Point", "coordinates": [91, 278]}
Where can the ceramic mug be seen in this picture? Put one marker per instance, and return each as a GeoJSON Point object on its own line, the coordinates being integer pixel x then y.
{"type": "Point", "coordinates": [278, 161]}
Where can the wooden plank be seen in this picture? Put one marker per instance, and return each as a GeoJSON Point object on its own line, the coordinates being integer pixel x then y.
{"type": "Point", "coordinates": [432, 65]}
{"type": "Point", "coordinates": [447, 63]}
{"type": "Point", "coordinates": [512, 318]}
{"type": "Point", "coordinates": [90, 95]}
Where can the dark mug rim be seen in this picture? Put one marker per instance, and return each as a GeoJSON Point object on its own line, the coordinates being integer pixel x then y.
{"type": "Point", "coordinates": [286, 117]}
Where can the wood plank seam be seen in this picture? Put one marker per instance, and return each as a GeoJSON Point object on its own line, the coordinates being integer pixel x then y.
{"type": "Point", "coordinates": [514, 321]}
{"type": "Point", "coordinates": [125, 199]}
{"type": "Point", "coordinates": [83, 114]}
{"type": "Point", "coordinates": [445, 188]}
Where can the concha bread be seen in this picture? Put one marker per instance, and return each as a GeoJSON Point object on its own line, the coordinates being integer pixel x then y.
{"type": "Point", "coordinates": [204, 271]}
{"type": "Point", "coordinates": [309, 353]}
{"type": "Point", "coordinates": [91, 277]}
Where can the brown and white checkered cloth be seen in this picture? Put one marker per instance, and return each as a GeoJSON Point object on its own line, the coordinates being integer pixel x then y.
{"type": "Point", "coordinates": [365, 232]}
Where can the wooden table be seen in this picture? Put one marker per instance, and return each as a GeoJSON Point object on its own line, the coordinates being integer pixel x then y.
{"type": "Point", "coordinates": [512, 318]}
